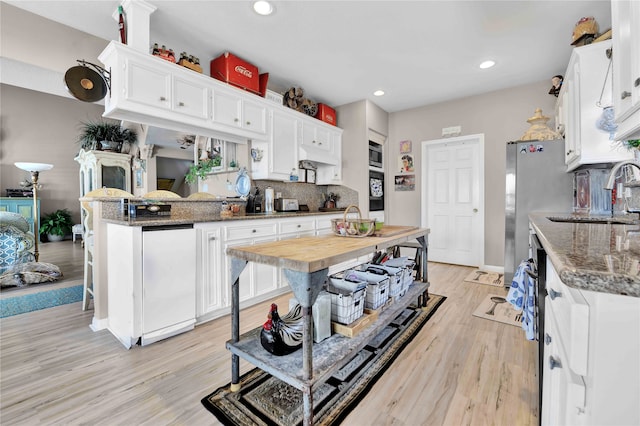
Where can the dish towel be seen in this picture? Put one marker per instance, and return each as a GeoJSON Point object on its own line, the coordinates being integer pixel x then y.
{"type": "Point", "coordinates": [521, 296]}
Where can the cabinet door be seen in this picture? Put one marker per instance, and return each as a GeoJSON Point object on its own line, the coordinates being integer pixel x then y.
{"type": "Point", "coordinates": [264, 278]}
{"type": "Point", "coordinates": [625, 16]}
{"type": "Point", "coordinates": [283, 144]}
{"type": "Point", "coordinates": [315, 137]}
{"type": "Point", "coordinates": [212, 291]}
{"type": "Point", "coordinates": [227, 108]}
{"type": "Point", "coordinates": [254, 117]}
{"type": "Point", "coordinates": [148, 86]}
{"type": "Point", "coordinates": [190, 98]}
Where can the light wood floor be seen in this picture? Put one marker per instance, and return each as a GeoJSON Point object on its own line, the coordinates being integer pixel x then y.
{"type": "Point", "coordinates": [460, 370]}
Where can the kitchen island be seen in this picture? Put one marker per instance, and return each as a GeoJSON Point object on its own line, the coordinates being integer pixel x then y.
{"type": "Point", "coordinates": [305, 262]}
{"type": "Point", "coordinates": [590, 307]}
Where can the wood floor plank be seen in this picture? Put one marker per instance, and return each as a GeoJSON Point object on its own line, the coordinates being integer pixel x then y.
{"type": "Point", "coordinates": [458, 370]}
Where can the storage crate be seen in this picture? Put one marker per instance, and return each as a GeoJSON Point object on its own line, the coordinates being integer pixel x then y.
{"type": "Point", "coordinates": [346, 306]}
{"type": "Point", "coordinates": [233, 70]}
{"type": "Point", "coordinates": [395, 276]}
{"type": "Point", "coordinates": [408, 268]}
{"type": "Point", "coordinates": [326, 114]}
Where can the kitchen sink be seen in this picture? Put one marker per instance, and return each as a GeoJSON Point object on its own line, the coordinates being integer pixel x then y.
{"type": "Point", "coordinates": [596, 219]}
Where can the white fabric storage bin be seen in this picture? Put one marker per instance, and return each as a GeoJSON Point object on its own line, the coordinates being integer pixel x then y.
{"type": "Point", "coordinates": [395, 275]}
{"type": "Point", "coordinates": [321, 312]}
{"type": "Point", "coordinates": [346, 306]}
{"type": "Point", "coordinates": [346, 280]}
{"type": "Point", "coordinates": [377, 287]}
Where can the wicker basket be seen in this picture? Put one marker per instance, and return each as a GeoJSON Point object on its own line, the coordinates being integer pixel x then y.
{"type": "Point", "coordinates": [348, 227]}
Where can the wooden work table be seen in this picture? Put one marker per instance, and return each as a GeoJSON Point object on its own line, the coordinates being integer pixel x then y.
{"type": "Point", "coordinates": [305, 262]}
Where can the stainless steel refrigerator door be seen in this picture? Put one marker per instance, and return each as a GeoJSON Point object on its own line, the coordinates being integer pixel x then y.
{"type": "Point", "coordinates": [536, 181]}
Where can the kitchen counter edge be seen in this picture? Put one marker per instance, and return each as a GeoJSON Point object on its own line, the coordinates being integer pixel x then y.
{"type": "Point", "coordinates": [186, 219]}
{"type": "Point", "coordinates": [586, 271]}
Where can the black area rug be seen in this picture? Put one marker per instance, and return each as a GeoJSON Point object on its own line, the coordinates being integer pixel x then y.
{"type": "Point", "coordinates": [266, 400]}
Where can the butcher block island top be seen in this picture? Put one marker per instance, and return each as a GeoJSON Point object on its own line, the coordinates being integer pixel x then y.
{"type": "Point", "coordinates": [310, 254]}
{"type": "Point", "coordinates": [305, 262]}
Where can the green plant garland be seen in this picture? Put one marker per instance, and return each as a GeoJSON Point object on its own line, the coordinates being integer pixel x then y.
{"type": "Point", "coordinates": [202, 169]}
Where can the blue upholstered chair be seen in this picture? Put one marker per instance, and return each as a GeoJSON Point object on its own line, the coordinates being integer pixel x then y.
{"type": "Point", "coordinates": [16, 241]}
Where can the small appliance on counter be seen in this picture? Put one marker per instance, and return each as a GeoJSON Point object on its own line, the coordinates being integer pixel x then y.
{"type": "Point", "coordinates": [286, 205]}
{"type": "Point", "coordinates": [145, 209]}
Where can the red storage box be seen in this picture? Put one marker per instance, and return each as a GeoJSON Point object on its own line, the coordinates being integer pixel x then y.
{"type": "Point", "coordinates": [326, 114]}
{"type": "Point", "coordinates": [233, 70]}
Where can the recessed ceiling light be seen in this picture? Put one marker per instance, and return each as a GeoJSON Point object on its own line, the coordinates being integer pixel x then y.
{"type": "Point", "coordinates": [487, 64]}
{"type": "Point", "coordinates": [263, 7]}
{"type": "Point", "coordinates": [378, 93]}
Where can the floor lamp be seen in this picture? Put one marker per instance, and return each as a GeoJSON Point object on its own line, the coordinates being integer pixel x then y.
{"type": "Point", "coordinates": [35, 169]}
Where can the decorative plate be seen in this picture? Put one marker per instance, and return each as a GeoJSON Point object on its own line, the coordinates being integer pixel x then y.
{"type": "Point", "coordinates": [243, 183]}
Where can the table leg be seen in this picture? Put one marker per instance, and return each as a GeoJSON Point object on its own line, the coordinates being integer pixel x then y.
{"type": "Point", "coordinates": [424, 243]}
{"type": "Point", "coordinates": [237, 265]}
{"type": "Point", "coordinates": [306, 287]}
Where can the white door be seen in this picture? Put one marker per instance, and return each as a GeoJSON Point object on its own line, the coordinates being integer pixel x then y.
{"type": "Point", "coordinates": [453, 199]}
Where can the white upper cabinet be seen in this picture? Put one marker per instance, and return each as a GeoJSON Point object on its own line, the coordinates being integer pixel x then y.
{"type": "Point", "coordinates": [190, 98]}
{"type": "Point", "coordinates": [576, 109]}
{"type": "Point", "coordinates": [149, 90]}
{"type": "Point", "coordinates": [320, 142]}
{"type": "Point", "coordinates": [278, 156]}
{"type": "Point", "coordinates": [233, 110]}
{"type": "Point", "coordinates": [625, 17]}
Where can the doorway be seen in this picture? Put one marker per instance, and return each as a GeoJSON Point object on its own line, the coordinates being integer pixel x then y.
{"type": "Point", "coordinates": [452, 197]}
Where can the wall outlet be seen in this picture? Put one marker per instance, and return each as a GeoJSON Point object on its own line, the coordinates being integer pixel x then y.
{"type": "Point", "coordinates": [451, 131]}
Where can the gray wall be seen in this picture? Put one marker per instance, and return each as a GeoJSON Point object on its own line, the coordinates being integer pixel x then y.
{"type": "Point", "coordinates": [501, 116]}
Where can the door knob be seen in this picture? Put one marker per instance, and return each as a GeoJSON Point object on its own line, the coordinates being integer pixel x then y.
{"type": "Point", "coordinates": [475, 210]}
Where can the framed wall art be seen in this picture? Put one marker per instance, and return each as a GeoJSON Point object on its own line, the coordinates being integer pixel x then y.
{"type": "Point", "coordinates": [405, 147]}
{"type": "Point", "coordinates": [405, 182]}
{"type": "Point", "coordinates": [405, 163]}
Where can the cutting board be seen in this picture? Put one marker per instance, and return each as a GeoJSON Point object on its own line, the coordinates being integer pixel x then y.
{"type": "Point", "coordinates": [391, 230]}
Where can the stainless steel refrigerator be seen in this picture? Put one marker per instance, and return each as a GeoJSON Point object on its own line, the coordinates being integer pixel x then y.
{"type": "Point", "coordinates": [536, 181]}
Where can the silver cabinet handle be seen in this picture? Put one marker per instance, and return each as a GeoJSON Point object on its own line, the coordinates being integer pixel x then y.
{"type": "Point", "coordinates": [547, 339]}
{"type": "Point", "coordinates": [162, 98]}
{"type": "Point", "coordinates": [212, 238]}
{"type": "Point", "coordinates": [254, 230]}
{"type": "Point", "coordinates": [235, 120]}
{"type": "Point", "coordinates": [299, 226]}
{"type": "Point", "coordinates": [625, 95]}
{"type": "Point", "coordinates": [553, 294]}
{"type": "Point", "coordinates": [180, 103]}
{"type": "Point", "coordinates": [248, 123]}
{"type": "Point", "coordinates": [569, 152]}
{"type": "Point", "coordinates": [636, 83]}
{"type": "Point", "coordinates": [554, 363]}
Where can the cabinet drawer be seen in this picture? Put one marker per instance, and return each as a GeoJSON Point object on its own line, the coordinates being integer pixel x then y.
{"type": "Point", "coordinates": [572, 314]}
{"type": "Point", "coordinates": [250, 231]}
{"type": "Point", "coordinates": [297, 226]}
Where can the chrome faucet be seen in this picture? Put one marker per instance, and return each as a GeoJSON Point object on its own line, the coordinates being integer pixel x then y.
{"type": "Point", "coordinates": [611, 180]}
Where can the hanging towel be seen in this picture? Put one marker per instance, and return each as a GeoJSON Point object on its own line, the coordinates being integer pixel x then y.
{"type": "Point", "coordinates": [521, 296]}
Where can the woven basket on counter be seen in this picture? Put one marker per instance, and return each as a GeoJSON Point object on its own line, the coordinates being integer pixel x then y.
{"type": "Point", "coordinates": [348, 227]}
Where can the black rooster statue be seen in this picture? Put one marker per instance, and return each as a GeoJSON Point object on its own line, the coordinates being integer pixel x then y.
{"type": "Point", "coordinates": [282, 336]}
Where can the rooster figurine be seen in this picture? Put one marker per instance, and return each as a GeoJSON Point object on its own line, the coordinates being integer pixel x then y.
{"type": "Point", "coordinates": [282, 336]}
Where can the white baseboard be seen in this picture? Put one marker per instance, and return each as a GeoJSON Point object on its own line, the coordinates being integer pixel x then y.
{"type": "Point", "coordinates": [99, 324]}
{"type": "Point", "coordinates": [491, 268]}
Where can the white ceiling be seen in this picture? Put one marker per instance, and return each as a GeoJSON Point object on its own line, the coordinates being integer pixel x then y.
{"type": "Point", "coordinates": [418, 52]}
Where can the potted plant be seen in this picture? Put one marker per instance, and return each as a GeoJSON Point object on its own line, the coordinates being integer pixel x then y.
{"type": "Point", "coordinates": [104, 136]}
{"type": "Point", "coordinates": [56, 225]}
{"type": "Point", "coordinates": [202, 169]}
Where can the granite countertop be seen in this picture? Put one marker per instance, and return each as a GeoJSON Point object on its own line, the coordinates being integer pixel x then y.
{"type": "Point", "coordinates": [186, 218]}
{"type": "Point", "coordinates": [602, 257]}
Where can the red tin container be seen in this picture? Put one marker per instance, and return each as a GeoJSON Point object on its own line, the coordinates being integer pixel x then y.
{"type": "Point", "coordinates": [326, 114]}
{"type": "Point", "coordinates": [233, 70]}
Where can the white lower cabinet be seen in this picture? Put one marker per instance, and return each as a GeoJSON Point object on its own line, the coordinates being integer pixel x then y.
{"type": "Point", "coordinates": [212, 294]}
{"type": "Point", "coordinates": [591, 356]}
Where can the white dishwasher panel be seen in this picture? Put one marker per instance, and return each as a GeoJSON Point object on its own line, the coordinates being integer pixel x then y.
{"type": "Point", "coordinates": [169, 276]}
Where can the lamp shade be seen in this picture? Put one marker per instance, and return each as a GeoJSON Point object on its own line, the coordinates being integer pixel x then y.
{"type": "Point", "coordinates": [34, 167]}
